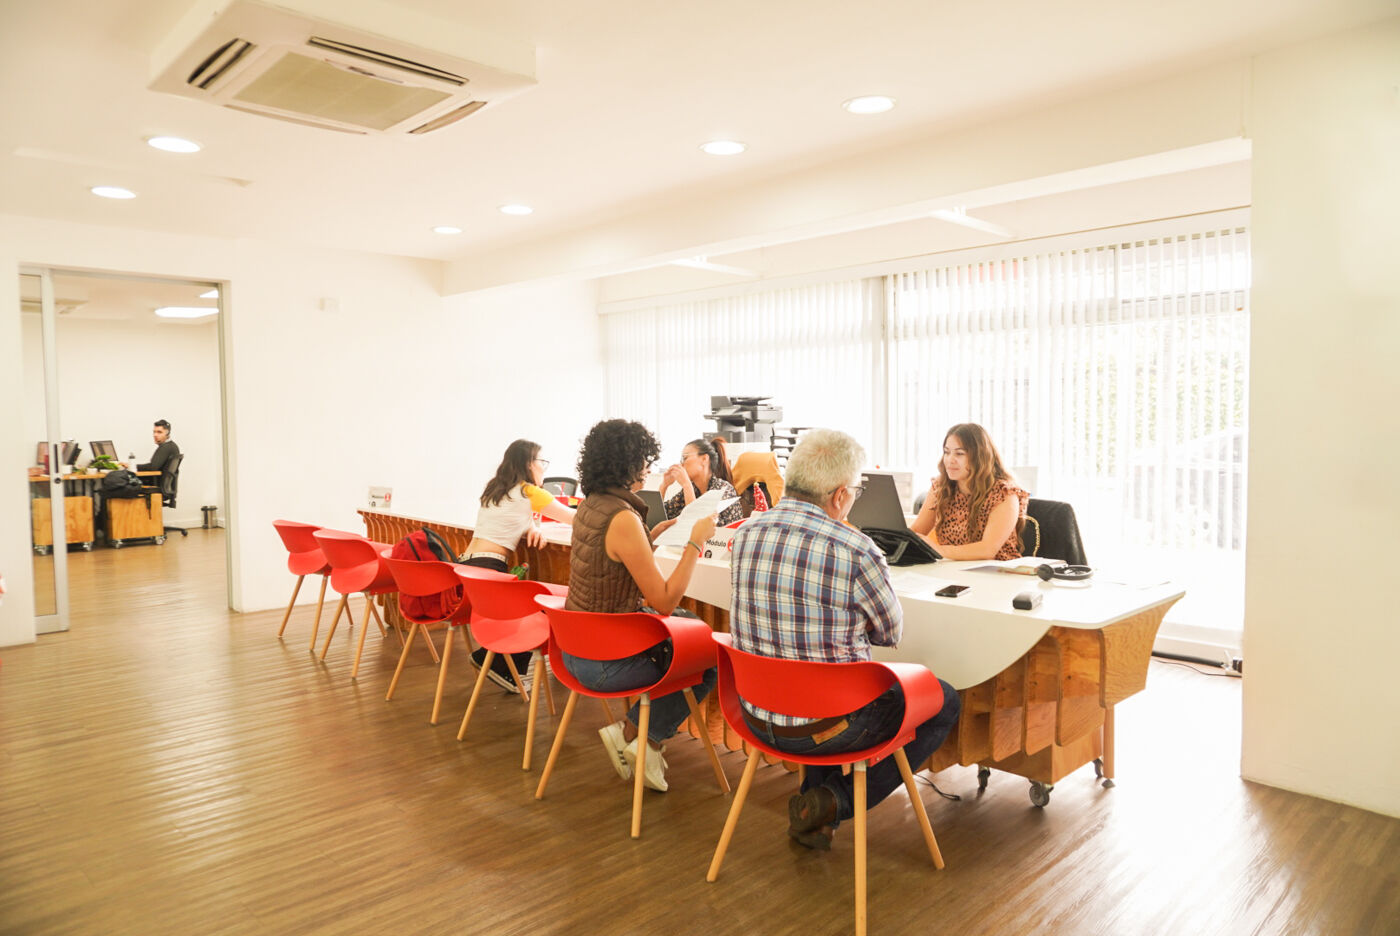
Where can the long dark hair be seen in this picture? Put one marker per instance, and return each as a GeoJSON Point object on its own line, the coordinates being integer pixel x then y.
{"type": "Point", "coordinates": [614, 454]}
{"type": "Point", "coordinates": [713, 451]}
{"type": "Point", "coordinates": [514, 469]}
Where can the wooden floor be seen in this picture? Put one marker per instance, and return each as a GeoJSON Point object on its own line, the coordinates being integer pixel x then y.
{"type": "Point", "coordinates": [168, 766]}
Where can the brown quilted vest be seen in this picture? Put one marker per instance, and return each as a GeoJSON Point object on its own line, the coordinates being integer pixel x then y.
{"type": "Point", "coordinates": [597, 583]}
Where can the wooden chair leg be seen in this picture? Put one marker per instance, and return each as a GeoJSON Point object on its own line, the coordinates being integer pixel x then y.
{"type": "Point", "coordinates": [558, 743]}
{"type": "Point", "coordinates": [902, 760]}
{"type": "Point", "coordinates": [359, 652]}
{"type": "Point", "coordinates": [801, 775]}
{"type": "Point", "coordinates": [640, 771]}
{"type": "Point", "coordinates": [403, 657]}
{"type": "Point", "coordinates": [316, 624]}
{"type": "Point", "coordinates": [607, 709]}
{"type": "Point", "coordinates": [534, 710]}
{"type": "Point", "coordinates": [377, 619]}
{"type": "Point", "coordinates": [336, 623]}
{"type": "Point", "coordinates": [860, 847]}
{"type": "Point", "coordinates": [290, 604]}
{"type": "Point", "coordinates": [442, 674]}
{"type": "Point", "coordinates": [732, 821]}
{"type": "Point", "coordinates": [548, 683]}
{"type": "Point", "coordinates": [704, 730]}
{"type": "Point", "coordinates": [515, 677]}
{"type": "Point", "coordinates": [427, 639]}
{"type": "Point", "coordinates": [476, 694]}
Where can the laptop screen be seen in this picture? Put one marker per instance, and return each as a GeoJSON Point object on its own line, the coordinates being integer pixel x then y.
{"type": "Point", "coordinates": [879, 506]}
{"type": "Point", "coordinates": [104, 448]}
{"type": "Point", "coordinates": [655, 512]}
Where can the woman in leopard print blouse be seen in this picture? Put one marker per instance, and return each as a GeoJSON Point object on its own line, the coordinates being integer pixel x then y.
{"type": "Point", "coordinates": [974, 508]}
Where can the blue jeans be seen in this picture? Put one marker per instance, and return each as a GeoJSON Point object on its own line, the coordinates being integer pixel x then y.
{"type": "Point", "coordinates": [868, 726]}
{"type": "Point", "coordinates": [668, 712]}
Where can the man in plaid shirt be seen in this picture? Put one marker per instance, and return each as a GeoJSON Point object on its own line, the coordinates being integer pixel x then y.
{"type": "Point", "coordinates": [809, 587]}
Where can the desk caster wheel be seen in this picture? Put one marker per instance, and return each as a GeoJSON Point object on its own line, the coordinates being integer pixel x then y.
{"type": "Point", "coordinates": [1040, 793]}
{"type": "Point", "coordinates": [87, 547]}
{"type": "Point", "coordinates": [41, 550]}
{"type": "Point", "coordinates": [116, 544]}
{"type": "Point", "coordinates": [983, 774]}
{"type": "Point", "coordinates": [160, 540]}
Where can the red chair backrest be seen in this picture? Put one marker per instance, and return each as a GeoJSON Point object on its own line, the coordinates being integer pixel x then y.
{"type": "Point", "coordinates": [428, 590]}
{"type": "Point", "coordinates": [355, 562]}
{"type": "Point", "coordinates": [499, 596]}
{"type": "Point", "coordinates": [595, 636]}
{"type": "Point", "coordinates": [797, 687]}
{"type": "Point", "coordinates": [297, 537]}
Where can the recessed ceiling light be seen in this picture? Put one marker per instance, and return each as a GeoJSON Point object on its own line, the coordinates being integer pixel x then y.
{"type": "Point", "coordinates": [446, 229]}
{"type": "Point", "coordinates": [174, 144]}
{"type": "Point", "coordinates": [871, 104]}
{"type": "Point", "coordinates": [112, 191]}
{"type": "Point", "coordinates": [516, 209]}
{"type": "Point", "coordinates": [185, 312]}
{"type": "Point", "coordinates": [211, 294]}
{"type": "Point", "coordinates": [723, 147]}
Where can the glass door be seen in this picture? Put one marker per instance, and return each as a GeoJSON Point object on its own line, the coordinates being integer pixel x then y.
{"type": "Point", "coordinates": [48, 516]}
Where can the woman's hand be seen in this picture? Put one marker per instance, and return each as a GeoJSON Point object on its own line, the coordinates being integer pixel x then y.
{"type": "Point", "coordinates": [704, 528]}
{"type": "Point", "coordinates": [534, 538]}
{"type": "Point", "coordinates": [662, 527]}
{"type": "Point", "coordinates": [676, 474]}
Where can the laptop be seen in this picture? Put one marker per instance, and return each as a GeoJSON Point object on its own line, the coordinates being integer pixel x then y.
{"type": "Point", "coordinates": [880, 516]}
{"type": "Point", "coordinates": [103, 448]}
{"type": "Point", "coordinates": [655, 511]}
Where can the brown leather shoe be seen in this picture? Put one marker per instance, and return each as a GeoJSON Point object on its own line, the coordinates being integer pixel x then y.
{"type": "Point", "coordinates": [810, 810]}
{"type": "Point", "coordinates": [818, 839]}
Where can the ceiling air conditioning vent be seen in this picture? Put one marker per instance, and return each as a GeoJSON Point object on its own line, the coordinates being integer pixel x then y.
{"type": "Point", "coordinates": [386, 73]}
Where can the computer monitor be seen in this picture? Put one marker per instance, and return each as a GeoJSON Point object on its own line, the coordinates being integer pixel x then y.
{"type": "Point", "coordinates": [656, 512]}
{"type": "Point", "coordinates": [41, 456]}
{"type": "Point", "coordinates": [70, 452]}
{"type": "Point", "coordinates": [879, 506]}
{"type": "Point", "coordinates": [103, 448]}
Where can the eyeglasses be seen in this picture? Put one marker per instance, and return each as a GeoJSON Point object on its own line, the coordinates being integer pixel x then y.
{"type": "Point", "coordinates": [543, 462]}
{"type": "Point", "coordinates": [856, 490]}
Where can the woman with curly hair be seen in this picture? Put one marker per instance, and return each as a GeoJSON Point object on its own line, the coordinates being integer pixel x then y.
{"type": "Point", "coordinates": [612, 571]}
{"type": "Point", "coordinates": [509, 505]}
{"type": "Point", "coordinates": [974, 508]}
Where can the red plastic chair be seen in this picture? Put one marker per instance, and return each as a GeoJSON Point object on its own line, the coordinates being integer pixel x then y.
{"type": "Point", "coordinates": [356, 566]}
{"type": "Point", "coordinates": [612, 637]}
{"type": "Point", "coordinates": [505, 620]}
{"type": "Point", "coordinates": [823, 690]}
{"type": "Point", "coordinates": [304, 557]}
{"type": "Point", "coordinates": [416, 579]}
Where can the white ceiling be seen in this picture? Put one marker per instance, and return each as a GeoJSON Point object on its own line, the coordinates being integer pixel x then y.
{"type": "Point", "coordinates": [627, 91]}
{"type": "Point", "coordinates": [119, 299]}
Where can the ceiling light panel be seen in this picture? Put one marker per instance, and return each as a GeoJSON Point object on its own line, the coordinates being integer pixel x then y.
{"type": "Point", "coordinates": [172, 144]}
{"type": "Point", "coordinates": [112, 191]}
{"type": "Point", "coordinates": [869, 104]}
{"type": "Point", "coordinates": [724, 147]}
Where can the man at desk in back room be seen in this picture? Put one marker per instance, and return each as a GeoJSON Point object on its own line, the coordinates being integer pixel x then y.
{"type": "Point", "coordinates": [165, 448]}
{"type": "Point", "coordinates": [809, 587]}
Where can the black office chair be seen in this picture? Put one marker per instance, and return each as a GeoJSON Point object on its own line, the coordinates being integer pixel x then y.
{"type": "Point", "coordinates": [170, 486]}
{"type": "Point", "coordinates": [560, 485]}
{"type": "Point", "coordinates": [1052, 532]}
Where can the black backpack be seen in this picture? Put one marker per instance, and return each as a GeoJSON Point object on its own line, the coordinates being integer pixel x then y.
{"type": "Point", "coordinates": [121, 483]}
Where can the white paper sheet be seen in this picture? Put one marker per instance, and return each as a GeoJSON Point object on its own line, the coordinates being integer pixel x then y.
{"type": "Point", "coordinates": [706, 505]}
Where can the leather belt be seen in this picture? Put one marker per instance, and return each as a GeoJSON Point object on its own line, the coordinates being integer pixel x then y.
{"type": "Point", "coordinates": [805, 730]}
{"type": "Point", "coordinates": [484, 554]}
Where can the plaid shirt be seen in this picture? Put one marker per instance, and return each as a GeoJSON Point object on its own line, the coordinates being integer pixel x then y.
{"type": "Point", "coordinates": [809, 588]}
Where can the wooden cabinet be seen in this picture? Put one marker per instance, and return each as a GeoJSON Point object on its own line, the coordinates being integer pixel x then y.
{"type": "Point", "coordinates": [134, 518]}
{"type": "Point", "coordinates": [77, 521]}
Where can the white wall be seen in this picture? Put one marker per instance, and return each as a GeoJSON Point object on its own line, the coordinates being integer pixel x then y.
{"type": "Point", "coordinates": [118, 377]}
{"type": "Point", "coordinates": [345, 370]}
{"type": "Point", "coordinates": [1322, 628]}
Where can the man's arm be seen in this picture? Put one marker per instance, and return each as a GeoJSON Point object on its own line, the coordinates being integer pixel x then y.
{"type": "Point", "coordinates": [164, 452]}
{"type": "Point", "coordinates": [876, 596]}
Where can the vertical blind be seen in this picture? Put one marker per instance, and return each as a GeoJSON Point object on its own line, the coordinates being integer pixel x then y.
{"type": "Point", "coordinates": [1117, 372]}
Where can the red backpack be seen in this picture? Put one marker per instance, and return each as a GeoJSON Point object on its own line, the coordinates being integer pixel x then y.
{"type": "Point", "coordinates": [426, 546]}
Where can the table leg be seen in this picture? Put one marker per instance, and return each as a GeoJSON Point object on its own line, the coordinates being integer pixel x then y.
{"type": "Point", "coordinates": [1108, 746]}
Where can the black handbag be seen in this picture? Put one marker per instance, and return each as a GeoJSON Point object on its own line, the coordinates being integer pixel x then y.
{"type": "Point", "coordinates": [121, 483]}
{"type": "Point", "coordinates": [902, 547]}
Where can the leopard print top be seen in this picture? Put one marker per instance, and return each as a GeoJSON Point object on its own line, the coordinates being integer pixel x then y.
{"type": "Point", "coordinates": [956, 528]}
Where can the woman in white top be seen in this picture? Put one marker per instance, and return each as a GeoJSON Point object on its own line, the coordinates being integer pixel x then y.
{"type": "Point", "coordinates": [508, 508]}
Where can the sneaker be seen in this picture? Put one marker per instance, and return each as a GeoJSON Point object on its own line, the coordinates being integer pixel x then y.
{"type": "Point", "coordinates": [615, 743]}
{"type": "Point", "coordinates": [499, 673]}
{"type": "Point", "coordinates": [655, 778]}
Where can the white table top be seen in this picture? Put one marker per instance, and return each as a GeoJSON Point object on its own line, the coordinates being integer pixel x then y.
{"type": "Point", "coordinates": [969, 639]}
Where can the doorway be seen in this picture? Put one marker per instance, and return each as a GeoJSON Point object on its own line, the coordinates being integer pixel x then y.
{"type": "Point", "coordinates": [109, 358]}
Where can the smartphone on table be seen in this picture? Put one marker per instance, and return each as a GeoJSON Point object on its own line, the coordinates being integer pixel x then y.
{"type": "Point", "coordinates": [951, 591]}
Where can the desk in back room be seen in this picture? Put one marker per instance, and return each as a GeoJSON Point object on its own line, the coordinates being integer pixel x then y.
{"type": "Point", "coordinates": [81, 506]}
{"type": "Point", "coordinates": [1038, 688]}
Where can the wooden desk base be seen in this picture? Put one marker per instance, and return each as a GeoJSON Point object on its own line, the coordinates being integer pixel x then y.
{"type": "Point", "coordinates": [134, 518]}
{"type": "Point", "coordinates": [78, 527]}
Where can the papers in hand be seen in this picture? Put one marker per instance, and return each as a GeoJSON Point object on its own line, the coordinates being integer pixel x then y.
{"type": "Point", "coordinates": [706, 505]}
